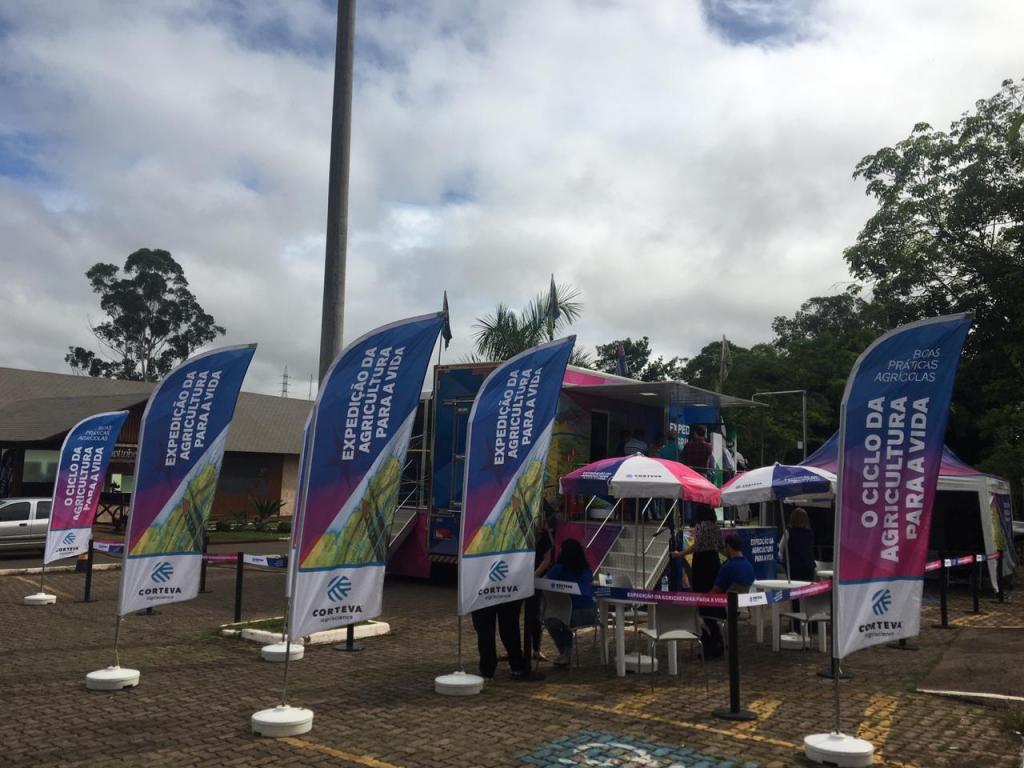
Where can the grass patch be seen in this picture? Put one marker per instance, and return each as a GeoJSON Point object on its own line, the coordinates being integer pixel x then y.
{"type": "Point", "coordinates": [267, 625]}
{"type": "Point", "coordinates": [223, 537]}
{"type": "Point", "coordinates": [1013, 719]}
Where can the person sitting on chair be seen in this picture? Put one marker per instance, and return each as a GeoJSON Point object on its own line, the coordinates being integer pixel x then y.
{"type": "Point", "coordinates": [572, 565]}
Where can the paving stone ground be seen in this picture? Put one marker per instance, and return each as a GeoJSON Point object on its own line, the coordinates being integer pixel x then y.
{"type": "Point", "coordinates": [378, 709]}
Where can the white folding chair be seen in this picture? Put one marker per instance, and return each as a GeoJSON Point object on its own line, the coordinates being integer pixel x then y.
{"type": "Point", "coordinates": [816, 609]}
{"type": "Point", "coordinates": [559, 606]}
{"type": "Point", "coordinates": [678, 623]}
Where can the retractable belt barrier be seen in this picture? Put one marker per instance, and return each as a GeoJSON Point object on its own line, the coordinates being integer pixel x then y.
{"type": "Point", "coordinates": [266, 561]}
{"type": "Point", "coordinates": [708, 599]}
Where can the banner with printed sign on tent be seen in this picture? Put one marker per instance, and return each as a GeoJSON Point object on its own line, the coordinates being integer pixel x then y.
{"type": "Point", "coordinates": [81, 474]}
{"type": "Point", "coordinates": [507, 444]}
{"type": "Point", "coordinates": [352, 468]}
{"type": "Point", "coordinates": [892, 425]}
{"type": "Point", "coordinates": [181, 448]}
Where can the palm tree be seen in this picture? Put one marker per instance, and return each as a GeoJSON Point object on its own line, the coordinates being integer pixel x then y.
{"type": "Point", "coordinates": [506, 333]}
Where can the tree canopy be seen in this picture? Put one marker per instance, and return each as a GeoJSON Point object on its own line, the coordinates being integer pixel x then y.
{"type": "Point", "coordinates": [642, 364]}
{"type": "Point", "coordinates": [506, 332]}
{"type": "Point", "coordinates": [153, 321]}
{"type": "Point", "coordinates": [948, 236]}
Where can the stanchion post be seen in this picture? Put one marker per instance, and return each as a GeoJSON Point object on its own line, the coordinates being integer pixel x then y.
{"type": "Point", "coordinates": [202, 566]}
{"type": "Point", "coordinates": [943, 598]}
{"type": "Point", "coordinates": [350, 643]}
{"type": "Point", "coordinates": [734, 712]}
{"type": "Point", "coordinates": [239, 573]}
{"type": "Point", "coordinates": [89, 557]}
{"type": "Point", "coordinates": [976, 587]}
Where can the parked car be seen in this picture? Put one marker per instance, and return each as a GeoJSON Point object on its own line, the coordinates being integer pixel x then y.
{"type": "Point", "coordinates": [23, 523]}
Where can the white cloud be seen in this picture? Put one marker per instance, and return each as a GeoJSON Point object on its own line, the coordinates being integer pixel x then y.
{"type": "Point", "coordinates": [690, 185]}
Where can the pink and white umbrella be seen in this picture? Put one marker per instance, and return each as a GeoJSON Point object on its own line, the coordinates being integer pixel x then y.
{"type": "Point", "coordinates": [640, 477]}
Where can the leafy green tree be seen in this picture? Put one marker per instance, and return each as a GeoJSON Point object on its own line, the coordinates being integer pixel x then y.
{"type": "Point", "coordinates": [506, 332]}
{"type": "Point", "coordinates": [153, 321]}
{"type": "Point", "coordinates": [642, 365]}
{"type": "Point", "coordinates": [948, 236]}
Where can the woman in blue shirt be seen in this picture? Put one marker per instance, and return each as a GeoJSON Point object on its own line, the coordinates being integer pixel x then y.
{"type": "Point", "coordinates": [572, 565]}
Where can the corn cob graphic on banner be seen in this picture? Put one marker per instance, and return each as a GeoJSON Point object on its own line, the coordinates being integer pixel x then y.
{"type": "Point", "coordinates": [507, 443]}
{"type": "Point", "coordinates": [513, 528]}
{"type": "Point", "coordinates": [365, 536]}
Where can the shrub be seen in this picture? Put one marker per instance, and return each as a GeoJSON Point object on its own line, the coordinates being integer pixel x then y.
{"type": "Point", "coordinates": [284, 526]}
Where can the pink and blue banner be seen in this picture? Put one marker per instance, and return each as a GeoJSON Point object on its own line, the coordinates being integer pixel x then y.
{"type": "Point", "coordinates": [892, 424]}
{"type": "Point", "coordinates": [352, 468]}
{"type": "Point", "coordinates": [506, 451]}
{"type": "Point", "coordinates": [181, 447]}
{"type": "Point", "coordinates": [81, 474]}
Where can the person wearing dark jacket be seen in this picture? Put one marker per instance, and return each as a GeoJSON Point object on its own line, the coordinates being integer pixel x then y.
{"type": "Point", "coordinates": [801, 552]}
{"type": "Point", "coordinates": [801, 546]}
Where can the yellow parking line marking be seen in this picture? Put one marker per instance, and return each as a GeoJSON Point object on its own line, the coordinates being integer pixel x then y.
{"type": "Point", "coordinates": [764, 709]}
{"type": "Point", "coordinates": [877, 720]}
{"type": "Point", "coordinates": [640, 701]}
{"type": "Point", "coordinates": [35, 583]}
{"type": "Point", "coordinates": [366, 760]}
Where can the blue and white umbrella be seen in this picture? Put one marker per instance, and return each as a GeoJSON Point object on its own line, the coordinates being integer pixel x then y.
{"type": "Point", "coordinates": [778, 482]}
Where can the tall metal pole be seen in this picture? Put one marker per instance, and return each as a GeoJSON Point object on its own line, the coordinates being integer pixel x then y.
{"type": "Point", "coordinates": [803, 396]}
{"type": "Point", "coordinates": [332, 324]}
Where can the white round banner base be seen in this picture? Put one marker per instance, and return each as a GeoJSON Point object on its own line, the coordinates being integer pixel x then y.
{"type": "Point", "coordinates": [791, 641]}
{"type": "Point", "coordinates": [641, 662]}
{"type": "Point", "coordinates": [282, 720]}
{"type": "Point", "coordinates": [40, 598]}
{"type": "Point", "coordinates": [112, 679]}
{"type": "Point", "coordinates": [277, 651]}
{"type": "Point", "coordinates": [838, 749]}
{"type": "Point", "coordinates": [458, 684]}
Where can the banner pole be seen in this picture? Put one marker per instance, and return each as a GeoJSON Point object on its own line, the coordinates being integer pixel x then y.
{"type": "Point", "coordinates": [287, 660]}
{"type": "Point", "coordinates": [42, 574]}
{"type": "Point", "coordinates": [836, 674]}
{"type": "Point", "coordinates": [459, 664]}
{"type": "Point", "coordinates": [117, 636]}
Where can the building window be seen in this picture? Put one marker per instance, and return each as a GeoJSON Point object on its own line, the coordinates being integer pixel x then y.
{"type": "Point", "coordinates": [40, 466]}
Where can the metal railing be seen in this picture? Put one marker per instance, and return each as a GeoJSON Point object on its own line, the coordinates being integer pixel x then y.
{"type": "Point", "coordinates": [603, 522]}
{"type": "Point", "coordinates": [662, 526]}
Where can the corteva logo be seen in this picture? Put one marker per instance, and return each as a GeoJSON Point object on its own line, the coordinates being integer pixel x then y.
{"type": "Point", "coordinates": [499, 571]}
{"type": "Point", "coordinates": [69, 539]}
{"type": "Point", "coordinates": [162, 572]}
{"type": "Point", "coordinates": [338, 588]}
{"type": "Point", "coordinates": [881, 602]}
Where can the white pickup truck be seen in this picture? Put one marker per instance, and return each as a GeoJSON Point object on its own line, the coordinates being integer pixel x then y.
{"type": "Point", "coordinates": [23, 523]}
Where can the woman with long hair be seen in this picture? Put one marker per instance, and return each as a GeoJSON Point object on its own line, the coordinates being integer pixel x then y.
{"type": "Point", "coordinates": [800, 551]}
{"type": "Point", "coordinates": [572, 565]}
{"type": "Point", "coordinates": [706, 546]}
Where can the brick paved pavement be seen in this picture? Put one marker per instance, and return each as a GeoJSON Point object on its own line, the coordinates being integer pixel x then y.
{"type": "Point", "coordinates": [378, 709]}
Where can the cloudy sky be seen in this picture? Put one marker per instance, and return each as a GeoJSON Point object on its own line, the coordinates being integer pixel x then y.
{"type": "Point", "coordinates": [687, 165]}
